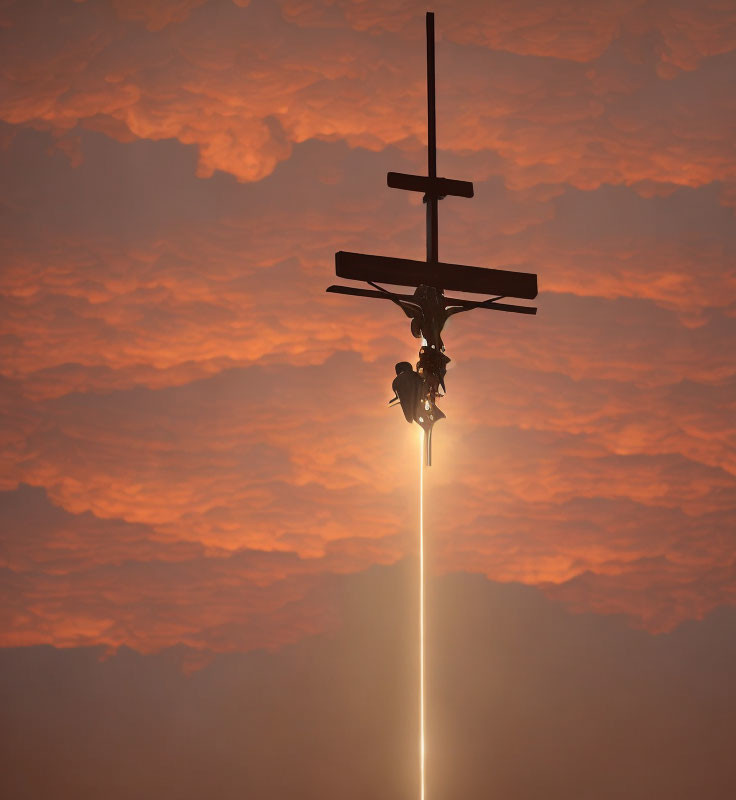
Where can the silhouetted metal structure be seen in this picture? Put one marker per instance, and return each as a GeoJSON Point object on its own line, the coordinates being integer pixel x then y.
{"type": "Point", "coordinates": [428, 308]}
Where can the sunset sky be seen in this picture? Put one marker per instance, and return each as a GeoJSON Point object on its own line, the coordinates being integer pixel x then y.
{"type": "Point", "coordinates": [208, 514]}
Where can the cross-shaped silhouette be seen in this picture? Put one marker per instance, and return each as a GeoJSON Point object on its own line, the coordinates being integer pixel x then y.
{"type": "Point", "coordinates": [429, 308]}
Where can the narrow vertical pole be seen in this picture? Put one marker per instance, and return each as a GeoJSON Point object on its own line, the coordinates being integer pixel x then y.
{"type": "Point", "coordinates": [432, 202]}
{"type": "Point", "coordinates": [431, 114]}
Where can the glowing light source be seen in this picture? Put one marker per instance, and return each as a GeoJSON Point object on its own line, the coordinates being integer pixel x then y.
{"type": "Point", "coordinates": [421, 614]}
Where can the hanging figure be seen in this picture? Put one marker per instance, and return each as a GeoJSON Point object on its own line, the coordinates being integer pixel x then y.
{"type": "Point", "coordinates": [408, 389]}
{"type": "Point", "coordinates": [428, 310]}
{"type": "Point", "coordinates": [413, 392]}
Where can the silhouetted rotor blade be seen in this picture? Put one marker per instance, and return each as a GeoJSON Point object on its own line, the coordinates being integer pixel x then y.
{"type": "Point", "coordinates": [510, 308]}
{"type": "Point", "coordinates": [492, 305]}
{"type": "Point", "coordinates": [335, 289]}
{"type": "Point", "coordinates": [397, 298]}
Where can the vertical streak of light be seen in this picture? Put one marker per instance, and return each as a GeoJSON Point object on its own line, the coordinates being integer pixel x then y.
{"type": "Point", "coordinates": [421, 614]}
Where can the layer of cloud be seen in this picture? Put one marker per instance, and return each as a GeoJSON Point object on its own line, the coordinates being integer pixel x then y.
{"type": "Point", "coordinates": [193, 411]}
{"type": "Point", "coordinates": [523, 699]}
{"type": "Point", "coordinates": [585, 96]}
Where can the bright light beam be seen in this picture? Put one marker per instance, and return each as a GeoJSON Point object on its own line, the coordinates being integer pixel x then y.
{"type": "Point", "coordinates": [421, 613]}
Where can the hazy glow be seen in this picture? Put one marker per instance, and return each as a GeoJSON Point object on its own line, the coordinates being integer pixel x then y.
{"type": "Point", "coordinates": [421, 612]}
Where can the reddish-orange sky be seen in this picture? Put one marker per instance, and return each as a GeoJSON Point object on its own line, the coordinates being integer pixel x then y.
{"type": "Point", "coordinates": [191, 424]}
{"type": "Point", "coordinates": [196, 458]}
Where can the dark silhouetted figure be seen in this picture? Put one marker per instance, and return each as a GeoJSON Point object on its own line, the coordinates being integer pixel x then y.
{"type": "Point", "coordinates": [413, 391]}
{"type": "Point", "coordinates": [408, 389]}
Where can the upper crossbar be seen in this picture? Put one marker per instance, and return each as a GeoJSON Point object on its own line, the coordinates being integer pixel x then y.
{"type": "Point", "coordinates": [432, 187]}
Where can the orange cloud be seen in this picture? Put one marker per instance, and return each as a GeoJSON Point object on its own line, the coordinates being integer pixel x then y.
{"type": "Point", "coordinates": [218, 81]}
{"type": "Point", "coordinates": [157, 14]}
{"type": "Point", "coordinates": [176, 179]}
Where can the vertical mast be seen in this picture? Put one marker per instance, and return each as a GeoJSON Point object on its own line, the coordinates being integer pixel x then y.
{"type": "Point", "coordinates": [431, 198]}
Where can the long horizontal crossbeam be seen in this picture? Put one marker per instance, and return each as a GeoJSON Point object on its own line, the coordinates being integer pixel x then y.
{"type": "Point", "coordinates": [459, 278]}
{"type": "Point", "coordinates": [492, 305]}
